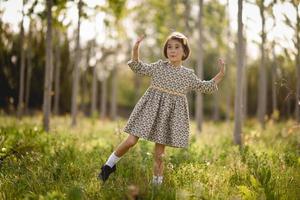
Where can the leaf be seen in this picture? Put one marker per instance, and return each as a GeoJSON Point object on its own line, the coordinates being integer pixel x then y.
{"type": "Point", "coordinates": [254, 182]}
{"type": "Point", "coordinates": [247, 193]}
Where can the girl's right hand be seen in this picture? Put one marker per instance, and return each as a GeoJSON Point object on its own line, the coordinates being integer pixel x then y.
{"type": "Point", "coordinates": [138, 41]}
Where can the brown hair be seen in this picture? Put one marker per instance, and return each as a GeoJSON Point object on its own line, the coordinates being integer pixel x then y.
{"type": "Point", "coordinates": [182, 39]}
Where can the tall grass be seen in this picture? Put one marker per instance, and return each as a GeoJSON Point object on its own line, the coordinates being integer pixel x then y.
{"type": "Point", "coordinates": [64, 163]}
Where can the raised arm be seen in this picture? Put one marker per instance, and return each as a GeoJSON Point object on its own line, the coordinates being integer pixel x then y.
{"type": "Point", "coordinates": [135, 49]}
{"type": "Point", "coordinates": [138, 66]}
{"type": "Point", "coordinates": [221, 73]}
{"type": "Point", "coordinates": [211, 85]}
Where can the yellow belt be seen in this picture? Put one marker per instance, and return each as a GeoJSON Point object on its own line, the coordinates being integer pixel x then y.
{"type": "Point", "coordinates": [167, 90]}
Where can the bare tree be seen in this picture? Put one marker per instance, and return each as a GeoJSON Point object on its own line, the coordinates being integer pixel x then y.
{"type": "Point", "coordinates": [245, 83]}
{"type": "Point", "coordinates": [262, 84]}
{"type": "Point", "coordinates": [239, 83]}
{"type": "Point", "coordinates": [228, 79]}
{"type": "Point", "coordinates": [103, 97]}
{"type": "Point", "coordinates": [57, 77]}
{"type": "Point", "coordinates": [29, 68]}
{"type": "Point", "coordinates": [75, 85]}
{"type": "Point", "coordinates": [297, 44]}
{"type": "Point", "coordinates": [48, 71]}
{"type": "Point", "coordinates": [199, 71]}
{"type": "Point", "coordinates": [113, 102]}
{"type": "Point", "coordinates": [274, 79]}
{"type": "Point", "coordinates": [94, 83]}
{"type": "Point", "coordinates": [22, 69]}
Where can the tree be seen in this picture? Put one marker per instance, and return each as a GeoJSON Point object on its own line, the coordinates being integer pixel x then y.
{"type": "Point", "coordinates": [22, 71]}
{"type": "Point", "coordinates": [75, 85]}
{"type": "Point", "coordinates": [118, 11]}
{"type": "Point", "coordinates": [239, 86]}
{"type": "Point", "coordinates": [199, 71]}
{"type": "Point", "coordinates": [48, 71]}
{"type": "Point", "coordinates": [262, 83]}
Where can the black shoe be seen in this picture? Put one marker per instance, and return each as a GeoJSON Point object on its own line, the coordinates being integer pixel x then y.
{"type": "Point", "coordinates": [106, 171]}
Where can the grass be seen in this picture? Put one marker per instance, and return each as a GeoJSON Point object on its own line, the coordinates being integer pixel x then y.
{"type": "Point", "coordinates": [64, 163]}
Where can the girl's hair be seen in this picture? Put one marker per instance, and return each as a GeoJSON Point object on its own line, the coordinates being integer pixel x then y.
{"type": "Point", "coordinates": [182, 39]}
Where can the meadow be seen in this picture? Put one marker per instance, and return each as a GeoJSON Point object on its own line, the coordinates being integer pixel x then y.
{"type": "Point", "coordinates": [64, 163]}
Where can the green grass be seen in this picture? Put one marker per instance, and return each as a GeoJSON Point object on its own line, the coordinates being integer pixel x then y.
{"type": "Point", "coordinates": [64, 163]}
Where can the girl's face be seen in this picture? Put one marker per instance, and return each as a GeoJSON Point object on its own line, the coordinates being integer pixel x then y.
{"type": "Point", "coordinates": [175, 51]}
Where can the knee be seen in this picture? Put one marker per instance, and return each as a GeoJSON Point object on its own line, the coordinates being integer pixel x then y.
{"type": "Point", "coordinates": [131, 142]}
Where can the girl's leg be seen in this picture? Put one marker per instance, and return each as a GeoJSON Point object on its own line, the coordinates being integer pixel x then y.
{"type": "Point", "coordinates": [130, 141]}
{"type": "Point", "coordinates": [158, 163]}
{"type": "Point", "coordinates": [121, 150]}
{"type": "Point", "coordinates": [110, 165]}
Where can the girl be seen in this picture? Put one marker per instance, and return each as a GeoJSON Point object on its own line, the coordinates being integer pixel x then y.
{"type": "Point", "coordinates": [161, 115]}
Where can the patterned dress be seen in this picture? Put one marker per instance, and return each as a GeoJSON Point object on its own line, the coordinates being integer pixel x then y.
{"type": "Point", "coordinates": [162, 115]}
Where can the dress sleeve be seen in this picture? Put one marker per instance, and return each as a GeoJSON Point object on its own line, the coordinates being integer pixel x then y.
{"type": "Point", "coordinates": [142, 68]}
{"type": "Point", "coordinates": [197, 84]}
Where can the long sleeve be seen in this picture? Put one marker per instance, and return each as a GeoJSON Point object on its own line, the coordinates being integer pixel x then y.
{"type": "Point", "coordinates": [197, 84]}
{"type": "Point", "coordinates": [142, 68]}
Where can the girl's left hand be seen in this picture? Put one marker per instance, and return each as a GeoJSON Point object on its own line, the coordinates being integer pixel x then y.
{"type": "Point", "coordinates": [221, 64]}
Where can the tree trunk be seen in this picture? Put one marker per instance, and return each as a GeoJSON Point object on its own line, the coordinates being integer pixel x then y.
{"type": "Point", "coordinates": [262, 84]}
{"type": "Point", "coordinates": [48, 71]}
{"type": "Point", "coordinates": [239, 82]}
{"type": "Point", "coordinates": [28, 79]}
{"type": "Point", "coordinates": [228, 74]}
{"type": "Point", "coordinates": [57, 79]}
{"type": "Point", "coordinates": [94, 92]}
{"type": "Point", "coordinates": [22, 69]}
{"type": "Point", "coordinates": [245, 84]}
{"type": "Point", "coordinates": [216, 111]}
{"type": "Point", "coordinates": [274, 79]}
{"type": "Point", "coordinates": [76, 72]}
{"type": "Point", "coordinates": [103, 97]}
{"type": "Point", "coordinates": [29, 69]}
{"type": "Point", "coordinates": [187, 5]}
{"type": "Point", "coordinates": [199, 99]}
{"type": "Point", "coordinates": [113, 105]}
{"type": "Point", "coordinates": [84, 96]}
{"type": "Point", "coordinates": [297, 109]}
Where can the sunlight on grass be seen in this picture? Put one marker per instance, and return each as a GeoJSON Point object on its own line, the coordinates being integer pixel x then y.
{"type": "Point", "coordinates": [64, 163]}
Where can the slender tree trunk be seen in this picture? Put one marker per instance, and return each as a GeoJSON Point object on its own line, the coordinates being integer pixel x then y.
{"type": "Point", "coordinates": [48, 71]}
{"type": "Point", "coordinates": [228, 74]}
{"type": "Point", "coordinates": [245, 83]}
{"type": "Point", "coordinates": [297, 106]}
{"type": "Point", "coordinates": [216, 110]}
{"type": "Point", "coordinates": [103, 98]}
{"type": "Point", "coordinates": [187, 12]}
{"type": "Point", "coordinates": [74, 106]}
{"type": "Point", "coordinates": [94, 91]}
{"type": "Point", "coordinates": [274, 79]}
{"type": "Point", "coordinates": [199, 99]}
{"type": "Point", "coordinates": [113, 105]}
{"type": "Point", "coordinates": [22, 70]}
{"type": "Point", "coordinates": [239, 85]}
{"type": "Point", "coordinates": [262, 84]}
{"type": "Point", "coordinates": [84, 97]}
{"type": "Point", "coordinates": [57, 79]}
{"type": "Point", "coordinates": [28, 78]}
{"type": "Point", "coordinates": [29, 68]}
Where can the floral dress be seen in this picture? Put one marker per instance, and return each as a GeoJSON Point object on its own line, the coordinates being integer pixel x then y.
{"type": "Point", "coordinates": [161, 115]}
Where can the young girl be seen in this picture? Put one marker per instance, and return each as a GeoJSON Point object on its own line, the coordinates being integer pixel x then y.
{"type": "Point", "coordinates": [162, 115]}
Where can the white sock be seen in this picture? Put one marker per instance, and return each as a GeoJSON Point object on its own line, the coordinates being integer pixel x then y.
{"type": "Point", "coordinates": [112, 160]}
{"type": "Point", "coordinates": [157, 180]}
